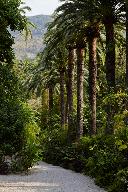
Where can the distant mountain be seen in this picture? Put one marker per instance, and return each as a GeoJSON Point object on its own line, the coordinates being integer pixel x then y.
{"type": "Point", "coordinates": [29, 49]}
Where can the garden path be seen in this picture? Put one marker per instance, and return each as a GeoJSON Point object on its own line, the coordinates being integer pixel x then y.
{"type": "Point", "coordinates": [48, 178]}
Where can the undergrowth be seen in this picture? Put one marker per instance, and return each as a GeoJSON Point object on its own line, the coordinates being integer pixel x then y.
{"type": "Point", "coordinates": [102, 157]}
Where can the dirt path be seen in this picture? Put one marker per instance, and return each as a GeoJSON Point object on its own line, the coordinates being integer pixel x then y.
{"type": "Point", "coordinates": [48, 178]}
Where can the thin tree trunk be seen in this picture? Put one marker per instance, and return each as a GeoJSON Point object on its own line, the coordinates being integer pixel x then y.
{"type": "Point", "coordinates": [71, 131]}
{"type": "Point", "coordinates": [50, 98]}
{"type": "Point", "coordinates": [110, 53]}
{"type": "Point", "coordinates": [127, 45]}
{"type": "Point", "coordinates": [110, 70]}
{"type": "Point", "coordinates": [62, 100]}
{"type": "Point", "coordinates": [66, 106]}
{"type": "Point", "coordinates": [92, 83]}
{"type": "Point", "coordinates": [45, 106]}
{"type": "Point", "coordinates": [80, 78]}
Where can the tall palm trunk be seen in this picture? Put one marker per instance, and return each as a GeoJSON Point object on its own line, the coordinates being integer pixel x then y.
{"type": "Point", "coordinates": [62, 100]}
{"type": "Point", "coordinates": [127, 44]}
{"type": "Point", "coordinates": [92, 82]}
{"type": "Point", "coordinates": [110, 70]}
{"type": "Point", "coordinates": [66, 104]}
{"type": "Point", "coordinates": [71, 131]}
{"type": "Point", "coordinates": [110, 53]}
{"type": "Point", "coordinates": [80, 78]}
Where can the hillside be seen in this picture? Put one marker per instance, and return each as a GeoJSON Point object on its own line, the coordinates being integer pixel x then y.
{"type": "Point", "coordinates": [29, 48]}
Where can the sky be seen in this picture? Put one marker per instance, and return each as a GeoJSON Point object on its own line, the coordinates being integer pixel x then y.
{"type": "Point", "coordinates": [45, 7]}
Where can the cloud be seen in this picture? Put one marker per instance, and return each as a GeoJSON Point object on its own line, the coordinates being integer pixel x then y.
{"type": "Point", "coordinates": [42, 6]}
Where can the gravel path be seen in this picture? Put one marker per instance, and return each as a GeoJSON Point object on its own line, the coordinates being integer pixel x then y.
{"type": "Point", "coordinates": [48, 178]}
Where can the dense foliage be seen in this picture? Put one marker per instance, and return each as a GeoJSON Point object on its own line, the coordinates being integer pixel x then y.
{"type": "Point", "coordinates": [18, 127]}
{"type": "Point", "coordinates": [102, 157]}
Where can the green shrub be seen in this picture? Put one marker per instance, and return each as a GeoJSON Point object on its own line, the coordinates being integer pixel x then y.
{"type": "Point", "coordinates": [19, 137]}
{"type": "Point", "coordinates": [103, 157]}
{"type": "Point", "coordinates": [53, 145]}
{"type": "Point", "coordinates": [29, 152]}
{"type": "Point", "coordinates": [121, 181]}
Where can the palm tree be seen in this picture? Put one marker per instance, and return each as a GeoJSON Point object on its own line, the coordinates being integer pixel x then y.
{"type": "Point", "coordinates": [41, 78]}
{"type": "Point", "coordinates": [112, 13]}
{"type": "Point", "coordinates": [55, 47]}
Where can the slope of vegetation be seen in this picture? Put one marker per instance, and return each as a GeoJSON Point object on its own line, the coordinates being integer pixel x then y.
{"type": "Point", "coordinates": [34, 44]}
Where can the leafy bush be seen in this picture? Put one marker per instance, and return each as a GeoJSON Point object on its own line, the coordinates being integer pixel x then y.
{"type": "Point", "coordinates": [18, 136]}
{"type": "Point", "coordinates": [53, 145]}
{"type": "Point", "coordinates": [29, 152]}
{"type": "Point", "coordinates": [102, 157]}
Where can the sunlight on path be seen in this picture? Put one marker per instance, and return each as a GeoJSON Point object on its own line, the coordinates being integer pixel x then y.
{"type": "Point", "coordinates": [48, 178]}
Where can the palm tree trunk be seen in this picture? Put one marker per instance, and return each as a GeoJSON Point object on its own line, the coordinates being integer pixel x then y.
{"type": "Point", "coordinates": [80, 78]}
{"type": "Point", "coordinates": [110, 70]}
{"type": "Point", "coordinates": [92, 83]}
{"type": "Point", "coordinates": [71, 131]}
{"type": "Point", "coordinates": [127, 44]}
{"type": "Point", "coordinates": [66, 106]}
{"type": "Point", "coordinates": [62, 100]}
{"type": "Point", "coordinates": [110, 53]}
